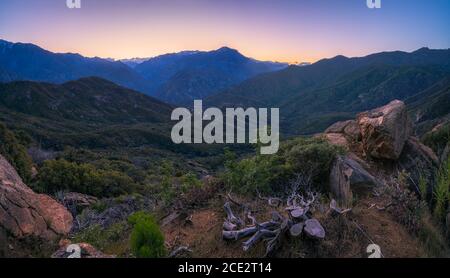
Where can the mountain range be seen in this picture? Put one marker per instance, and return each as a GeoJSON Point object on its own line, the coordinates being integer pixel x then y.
{"type": "Point", "coordinates": [21, 61]}
{"type": "Point", "coordinates": [313, 97]}
{"type": "Point", "coordinates": [310, 97]}
{"type": "Point", "coordinates": [182, 77]}
{"type": "Point", "coordinates": [175, 78]}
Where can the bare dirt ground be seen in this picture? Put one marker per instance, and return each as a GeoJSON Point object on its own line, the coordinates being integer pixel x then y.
{"type": "Point", "coordinates": [347, 236]}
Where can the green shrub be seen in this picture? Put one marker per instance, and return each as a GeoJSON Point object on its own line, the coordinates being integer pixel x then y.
{"type": "Point", "coordinates": [439, 139]}
{"type": "Point", "coordinates": [431, 236]}
{"type": "Point", "coordinates": [423, 187]}
{"type": "Point", "coordinates": [306, 156]}
{"type": "Point", "coordinates": [147, 240]}
{"type": "Point", "coordinates": [190, 181]}
{"type": "Point", "coordinates": [102, 238]}
{"type": "Point", "coordinates": [442, 190]}
{"type": "Point", "coordinates": [311, 157]}
{"type": "Point", "coordinates": [16, 154]}
{"type": "Point", "coordinates": [61, 175]}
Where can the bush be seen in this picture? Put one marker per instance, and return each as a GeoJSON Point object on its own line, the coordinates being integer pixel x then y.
{"type": "Point", "coordinates": [437, 140]}
{"type": "Point", "coordinates": [103, 238]}
{"type": "Point", "coordinates": [442, 190]}
{"type": "Point", "coordinates": [307, 156]}
{"type": "Point", "coordinates": [61, 175]}
{"type": "Point", "coordinates": [190, 181]}
{"type": "Point", "coordinates": [423, 187]}
{"type": "Point", "coordinates": [16, 154]}
{"type": "Point", "coordinates": [147, 240]}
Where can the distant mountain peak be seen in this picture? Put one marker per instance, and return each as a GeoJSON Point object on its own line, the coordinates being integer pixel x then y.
{"type": "Point", "coordinates": [340, 57]}
{"type": "Point", "coordinates": [3, 42]}
{"type": "Point", "coordinates": [422, 49]}
{"type": "Point", "coordinates": [227, 50]}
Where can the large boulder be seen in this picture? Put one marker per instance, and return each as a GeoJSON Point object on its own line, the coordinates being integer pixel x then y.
{"type": "Point", "coordinates": [350, 129]}
{"type": "Point", "coordinates": [24, 213]}
{"type": "Point", "coordinates": [385, 130]}
{"type": "Point", "coordinates": [346, 134]}
{"type": "Point", "coordinates": [337, 139]}
{"type": "Point", "coordinates": [348, 176]}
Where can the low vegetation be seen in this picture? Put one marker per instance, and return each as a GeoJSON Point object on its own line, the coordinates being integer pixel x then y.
{"type": "Point", "coordinates": [12, 147]}
{"type": "Point", "coordinates": [61, 175]}
{"type": "Point", "coordinates": [312, 157]}
{"type": "Point", "coordinates": [147, 240]}
{"type": "Point", "coordinates": [441, 191]}
{"type": "Point", "coordinates": [439, 139]}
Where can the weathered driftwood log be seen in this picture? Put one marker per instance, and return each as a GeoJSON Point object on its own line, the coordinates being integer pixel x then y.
{"type": "Point", "coordinates": [273, 232]}
{"type": "Point", "coordinates": [314, 229]}
{"type": "Point", "coordinates": [236, 235]}
{"type": "Point", "coordinates": [251, 217]}
{"type": "Point", "coordinates": [228, 226]}
{"type": "Point", "coordinates": [258, 236]}
{"type": "Point", "coordinates": [277, 217]}
{"type": "Point", "coordinates": [272, 201]}
{"type": "Point", "coordinates": [297, 213]}
{"type": "Point", "coordinates": [296, 229]}
{"type": "Point", "coordinates": [230, 215]}
{"type": "Point", "coordinates": [275, 242]}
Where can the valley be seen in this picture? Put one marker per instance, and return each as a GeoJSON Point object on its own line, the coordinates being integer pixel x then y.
{"type": "Point", "coordinates": [363, 156]}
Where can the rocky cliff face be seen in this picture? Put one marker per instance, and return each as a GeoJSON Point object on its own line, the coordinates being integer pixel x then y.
{"type": "Point", "coordinates": [379, 146]}
{"type": "Point", "coordinates": [24, 213]}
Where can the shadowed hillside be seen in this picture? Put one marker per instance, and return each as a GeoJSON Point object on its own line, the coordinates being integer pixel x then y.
{"type": "Point", "coordinates": [313, 97]}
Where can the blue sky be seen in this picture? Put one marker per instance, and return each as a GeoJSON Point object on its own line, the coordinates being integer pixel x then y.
{"type": "Point", "coordinates": [283, 30]}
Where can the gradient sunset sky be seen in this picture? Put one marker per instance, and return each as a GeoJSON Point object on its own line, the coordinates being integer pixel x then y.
{"type": "Point", "coordinates": [278, 30]}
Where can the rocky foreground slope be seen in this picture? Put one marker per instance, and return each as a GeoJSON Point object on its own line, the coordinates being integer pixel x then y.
{"type": "Point", "coordinates": [368, 199]}
{"type": "Point", "coordinates": [24, 213]}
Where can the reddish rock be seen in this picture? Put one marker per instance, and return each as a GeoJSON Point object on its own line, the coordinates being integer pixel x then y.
{"type": "Point", "coordinates": [350, 129]}
{"type": "Point", "coordinates": [337, 139]}
{"type": "Point", "coordinates": [24, 213]}
{"type": "Point", "coordinates": [385, 130]}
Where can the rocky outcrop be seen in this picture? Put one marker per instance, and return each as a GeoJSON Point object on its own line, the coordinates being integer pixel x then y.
{"type": "Point", "coordinates": [348, 176]}
{"type": "Point", "coordinates": [381, 134]}
{"type": "Point", "coordinates": [349, 129]}
{"type": "Point", "coordinates": [338, 139]}
{"type": "Point", "coordinates": [24, 213]}
{"type": "Point", "coordinates": [385, 130]}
